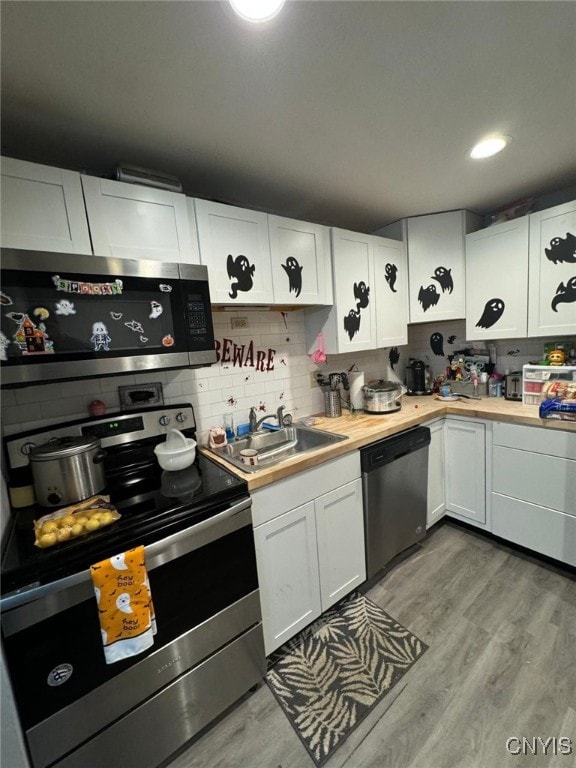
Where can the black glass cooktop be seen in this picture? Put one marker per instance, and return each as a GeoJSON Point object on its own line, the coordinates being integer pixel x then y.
{"type": "Point", "coordinates": [152, 503]}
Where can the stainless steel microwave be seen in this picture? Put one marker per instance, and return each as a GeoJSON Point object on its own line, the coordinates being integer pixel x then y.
{"type": "Point", "coordinates": [75, 317]}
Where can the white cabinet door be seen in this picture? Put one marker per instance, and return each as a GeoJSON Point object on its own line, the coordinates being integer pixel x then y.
{"type": "Point", "coordinates": [287, 558]}
{"type": "Point", "coordinates": [130, 221]}
{"type": "Point", "coordinates": [354, 301]}
{"type": "Point", "coordinates": [552, 280]}
{"type": "Point", "coordinates": [436, 265]}
{"type": "Point", "coordinates": [340, 532]}
{"type": "Point", "coordinates": [300, 258]}
{"type": "Point", "coordinates": [436, 475]}
{"type": "Point", "coordinates": [42, 208]}
{"type": "Point", "coordinates": [391, 287]}
{"type": "Point", "coordinates": [465, 461]}
{"type": "Point", "coordinates": [497, 281]}
{"type": "Point", "coordinates": [234, 246]}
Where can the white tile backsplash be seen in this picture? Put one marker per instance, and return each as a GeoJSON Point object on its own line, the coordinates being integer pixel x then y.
{"type": "Point", "coordinates": [228, 388]}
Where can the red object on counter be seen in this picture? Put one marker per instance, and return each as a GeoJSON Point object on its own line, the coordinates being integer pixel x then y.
{"type": "Point", "coordinates": [97, 408]}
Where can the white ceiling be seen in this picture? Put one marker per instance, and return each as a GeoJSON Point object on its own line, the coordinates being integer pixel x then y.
{"type": "Point", "coordinates": [346, 113]}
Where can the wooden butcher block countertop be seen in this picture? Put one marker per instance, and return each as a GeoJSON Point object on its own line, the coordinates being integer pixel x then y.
{"type": "Point", "coordinates": [362, 429]}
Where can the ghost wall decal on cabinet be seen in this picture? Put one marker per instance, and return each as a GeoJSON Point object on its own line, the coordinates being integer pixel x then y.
{"type": "Point", "coordinates": [352, 323]}
{"type": "Point", "coordinates": [294, 273]}
{"type": "Point", "coordinates": [493, 311]}
{"type": "Point", "coordinates": [362, 295]}
{"type": "Point", "coordinates": [565, 294]}
{"type": "Point", "coordinates": [562, 249]}
{"type": "Point", "coordinates": [444, 277]}
{"type": "Point", "coordinates": [240, 270]}
{"type": "Point", "coordinates": [391, 271]}
{"type": "Point", "coordinates": [428, 297]}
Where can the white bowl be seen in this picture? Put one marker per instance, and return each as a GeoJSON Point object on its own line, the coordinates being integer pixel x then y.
{"type": "Point", "coordinates": [178, 452]}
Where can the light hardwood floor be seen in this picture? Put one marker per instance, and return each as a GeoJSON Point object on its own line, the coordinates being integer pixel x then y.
{"type": "Point", "coordinates": [501, 663]}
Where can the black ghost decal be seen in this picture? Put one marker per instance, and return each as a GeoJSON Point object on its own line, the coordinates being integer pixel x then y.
{"type": "Point", "coordinates": [444, 277]}
{"type": "Point", "coordinates": [493, 311]}
{"type": "Point", "coordinates": [428, 297]}
{"type": "Point", "coordinates": [437, 344]}
{"type": "Point", "coordinates": [451, 339]}
{"type": "Point", "coordinates": [240, 270]}
{"type": "Point", "coordinates": [294, 272]}
{"type": "Point", "coordinates": [565, 294]}
{"type": "Point", "coordinates": [391, 272]}
{"type": "Point", "coordinates": [361, 293]}
{"type": "Point", "coordinates": [562, 249]}
{"type": "Point", "coordinates": [393, 356]}
{"type": "Point", "coordinates": [352, 323]}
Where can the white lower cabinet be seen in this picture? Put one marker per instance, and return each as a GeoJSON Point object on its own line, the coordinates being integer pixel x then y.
{"type": "Point", "coordinates": [312, 555]}
{"type": "Point", "coordinates": [340, 531]}
{"type": "Point", "coordinates": [286, 551]}
{"type": "Point", "coordinates": [436, 475]}
{"type": "Point", "coordinates": [465, 463]}
{"type": "Point", "coordinates": [534, 489]}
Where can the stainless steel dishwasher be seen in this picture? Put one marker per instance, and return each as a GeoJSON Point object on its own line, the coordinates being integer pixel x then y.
{"type": "Point", "coordinates": [395, 488]}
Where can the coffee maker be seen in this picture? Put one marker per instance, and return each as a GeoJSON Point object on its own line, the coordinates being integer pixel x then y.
{"type": "Point", "coordinates": [418, 378]}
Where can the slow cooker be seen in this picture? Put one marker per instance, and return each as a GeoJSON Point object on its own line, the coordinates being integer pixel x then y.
{"type": "Point", "coordinates": [67, 469]}
{"type": "Point", "coordinates": [382, 396]}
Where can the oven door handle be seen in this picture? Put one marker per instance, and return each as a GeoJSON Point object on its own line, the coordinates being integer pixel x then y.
{"type": "Point", "coordinates": [157, 553]}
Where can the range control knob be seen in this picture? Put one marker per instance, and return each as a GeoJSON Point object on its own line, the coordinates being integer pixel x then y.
{"type": "Point", "coordinates": [181, 417]}
{"type": "Point", "coordinates": [164, 421]}
{"type": "Point", "coordinates": [27, 448]}
{"type": "Point", "coordinates": [54, 498]}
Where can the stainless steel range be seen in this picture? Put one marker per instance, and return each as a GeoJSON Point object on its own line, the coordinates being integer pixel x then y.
{"type": "Point", "coordinates": [76, 711]}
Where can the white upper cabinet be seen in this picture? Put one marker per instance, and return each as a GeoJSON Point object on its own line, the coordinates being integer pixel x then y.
{"type": "Point", "coordinates": [234, 246]}
{"type": "Point", "coordinates": [42, 208]}
{"type": "Point", "coordinates": [552, 281]}
{"type": "Point", "coordinates": [436, 265]}
{"type": "Point", "coordinates": [391, 286]}
{"type": "Point", "coordinates": [350, 325]}
{"type": "Point", "coordinates": [300, 258]}
{"type": "Point", "coordinates": [131, 221]}
{"type": "Point", "coordinates": [497, 281]}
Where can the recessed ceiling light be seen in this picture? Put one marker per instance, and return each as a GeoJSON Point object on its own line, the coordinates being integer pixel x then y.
{"type": "Point", "coordinates": [257, 10]}
{"type": "Point", "coordinates": [490, 145]}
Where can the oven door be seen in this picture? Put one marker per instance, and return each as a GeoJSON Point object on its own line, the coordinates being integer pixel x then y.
{"type": "Point", "coordinates": [76, 710]}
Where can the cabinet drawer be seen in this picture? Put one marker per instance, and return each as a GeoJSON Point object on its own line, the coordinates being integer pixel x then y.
{"type": "Point", "coordinates": [536, 478]}
{"type": "Point", "coordinates": [536, 439]}
{"type": "Point", "coordinates": [544, 530]}
{"type": "Point", "coordinates": [280, 497]}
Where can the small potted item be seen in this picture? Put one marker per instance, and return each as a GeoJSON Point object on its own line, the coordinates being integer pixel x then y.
{"type": "Point", "coordinates": [178, 452]}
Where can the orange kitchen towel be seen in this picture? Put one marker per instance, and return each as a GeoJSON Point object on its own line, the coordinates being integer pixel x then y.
{"type": "Point", "coordinates": [125, 604]}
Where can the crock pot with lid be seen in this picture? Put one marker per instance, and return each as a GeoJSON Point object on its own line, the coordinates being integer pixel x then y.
{"type": "Point", "coordinates": [67, 470]}
{"type": "Point", "coordinates": [382, 396]}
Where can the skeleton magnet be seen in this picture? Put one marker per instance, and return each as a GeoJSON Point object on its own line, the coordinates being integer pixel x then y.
{"type": "Point", "coordinates": [100, 337]}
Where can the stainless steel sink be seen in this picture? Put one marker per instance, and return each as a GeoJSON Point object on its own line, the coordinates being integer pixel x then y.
{"type": "Point", "coordinates": [275, 447]}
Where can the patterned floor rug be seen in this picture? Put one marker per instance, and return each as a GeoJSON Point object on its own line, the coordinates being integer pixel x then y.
{"type": "Point", "coordinates": [329, 677]}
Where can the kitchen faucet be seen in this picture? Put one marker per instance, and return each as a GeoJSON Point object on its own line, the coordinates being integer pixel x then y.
{"type": "Point", "coordinates": [255, 423]}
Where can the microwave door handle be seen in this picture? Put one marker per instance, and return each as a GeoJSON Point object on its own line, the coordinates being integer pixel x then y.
{"type": "Point", "coordinates": [156, 554]}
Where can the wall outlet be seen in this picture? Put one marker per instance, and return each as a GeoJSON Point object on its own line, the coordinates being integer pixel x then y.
{"type": "Point", "coordinates": [239, 322]}
{"type": "Point", "coordinates": [317, 379]}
